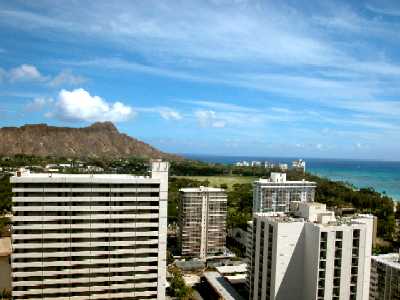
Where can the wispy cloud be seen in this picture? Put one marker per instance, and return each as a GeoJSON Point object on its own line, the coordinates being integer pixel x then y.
{"type": "Point", "coordinates": [209, 118]}
{"type": "Point", "coordinates": [39, 103]}
{"type": "Point", "coordinates": [66, 77]}
{"type": "Point", "coordinates": [167, 113]}
{"type": "Point", "coordinates": [384, 8]}
{"type": "Point", "coordinates": [25, 72]}
{"type": "Point", "coordinates": [30, 73]}
{"type": "Point", "coordinates": [216, 105]}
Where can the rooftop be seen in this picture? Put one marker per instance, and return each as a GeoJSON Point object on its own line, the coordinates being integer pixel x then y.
{"type": "Point", "coordinates": [62, 175]}
{"type": "Point", "coordinates": [221, 286]}
{"type": "Point", "coordinates": [241, 268]}
{"type": "Point", "coordinates": [316, 213]}
{"type": "Point", "coordinates": [201, 189]}
{"type": "Point", "coordinates": [390, 259]}
{"type": "Point", "coordinates": [281, 178]}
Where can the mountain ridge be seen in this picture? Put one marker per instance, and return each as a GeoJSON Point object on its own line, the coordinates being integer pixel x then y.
{"type": "Point", "coordinates": [100, 140]}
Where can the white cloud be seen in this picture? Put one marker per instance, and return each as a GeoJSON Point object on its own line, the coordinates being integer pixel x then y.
{"type": "Point", "coordinates": [208, 118]}
{"type": "Point", "coordinates": [67, 78]}
{"type": "Point", "coordinates": [152, 25]}
{"type": "Point", "coordinates": [25, 72]}
{"type": "Point", "coordinates": [216, 105]}
{"type": "Point", "coordinates": [79, 105]}
{"type": "Point", "coordinates": [166, 113]}
{"type": "Point", "coordinates": [169, 114]}
{"type": "Point", "coordinates": [39, 103]}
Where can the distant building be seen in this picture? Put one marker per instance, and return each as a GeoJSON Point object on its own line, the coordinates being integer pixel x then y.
{"type": "Point", "coordinates": [90, 236]}
{"type": "Point", "coordinates": [269, 165]}
{"type": "Point", "coordinates": [276, 193]}
{"type": "Point", "coordinates": [385, 277]}
{"type": "Point", "coordinates": [283, 167]}
{"type": "Point", "coordinates": [51, 166]}
{"type": "Point", "coordinates": [299, 165]}
{"type": "Point", "coordinates": [242, 164]}
{"type": "Point", "coordinates": [202, 221]}
{"type": "Point", "coordinates": [311, 256]}
{"type": "Point", "coordinates": [94, 169]}
{"type": "Point", "coordinates": [65, 165]}
{"type": "Point", "coordinates": [256, 163]}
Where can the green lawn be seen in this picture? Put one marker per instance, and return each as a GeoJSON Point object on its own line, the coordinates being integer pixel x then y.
{"type": "Point", "coordinates": [216, 181]}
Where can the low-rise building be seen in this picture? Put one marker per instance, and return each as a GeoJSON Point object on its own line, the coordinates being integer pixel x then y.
{"type": "Point", "coordinates": [218, 288]}
{"type": "Point", "coordinates": [235, 273]}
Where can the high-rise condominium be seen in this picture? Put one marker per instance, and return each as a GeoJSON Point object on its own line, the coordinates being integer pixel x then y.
{"type": "Point", "coordinates": [202, 221]}
{"type": "Point", "coordinates": [385, 277]}
{"type": "Point", "coordinates": [90, 236]}
{"type": "Point", "coordinates": [313, 256]}
{"type": "Point", "coordinates": [276, 193]}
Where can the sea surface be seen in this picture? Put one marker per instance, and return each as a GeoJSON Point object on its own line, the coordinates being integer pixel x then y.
{"type": "Point", "coordinates": [383, 176]}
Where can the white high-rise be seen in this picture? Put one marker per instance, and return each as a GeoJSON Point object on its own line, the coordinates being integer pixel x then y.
{"type": "Point", "coordinates": [90, 236]}
{"type": "Point", "coordinates": [202, 221]}
{"type": "Point", "coordinates": [385, 277]}
{"type": "Point", "coordinates": [312, 256]}
{"type": "Point", "coordinates": [276, 193]}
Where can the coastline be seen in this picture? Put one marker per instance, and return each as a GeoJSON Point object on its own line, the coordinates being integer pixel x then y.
{"type": "Point", "coordinates": [383, 176]}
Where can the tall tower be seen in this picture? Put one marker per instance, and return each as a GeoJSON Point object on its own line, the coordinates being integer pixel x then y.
{"type": "Point", "coordinates": [90, 236]}
{"type": "Point", "coordinates": [313, 256]}
{"type": "Point", "coordinates": [202, 221]}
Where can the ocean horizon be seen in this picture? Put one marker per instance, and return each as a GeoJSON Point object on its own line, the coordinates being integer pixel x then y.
{"type": "Point", "coordinates": [383, 176]}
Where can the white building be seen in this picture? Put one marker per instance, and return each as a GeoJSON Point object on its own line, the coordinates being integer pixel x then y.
{"type": "Point", "coordinates": [90, 236]}
{"type": "Point", "coordinates": [202, 221]}
{"type": "Point", "coordinates": [299, 165]}
{"type": "Point", "coordinates": [256, 163]}
{"type": "Point", "coordinates": [309, 258]}
{"type": "Point", "coordinates": [385, 277]}
{"type": "Point", "coordinates": [276, 193]}
{"type": "Point", "coordinates": [283, 167]}
{"type": "Point", "coordinates": [242, 164]}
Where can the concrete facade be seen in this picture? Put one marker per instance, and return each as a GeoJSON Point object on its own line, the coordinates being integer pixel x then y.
{"type": "Point", "coordinates": [90, 236]}
{"type": "Point", "coordinates": [202, 221]}
{"type": "Point", "coordinates": [292, 258]}
{"type": "Point", "coordinates": [385, 277]}
{"type": "Point", "coordinates": [276, 193]}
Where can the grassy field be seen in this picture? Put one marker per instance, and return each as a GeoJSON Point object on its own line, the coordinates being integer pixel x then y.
{"type": "Point", "coordinates": [216, 181]}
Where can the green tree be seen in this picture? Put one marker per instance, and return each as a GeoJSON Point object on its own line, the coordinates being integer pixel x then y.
{"type": "Point", "coordinates": [178, 287]}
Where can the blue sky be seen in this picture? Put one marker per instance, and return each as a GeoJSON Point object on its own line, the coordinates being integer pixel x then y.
{"type": "Point", "coordinates": [267, 78]}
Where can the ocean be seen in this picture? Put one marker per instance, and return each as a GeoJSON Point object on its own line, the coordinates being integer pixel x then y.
{"type": "Point", "coordinates": [383, 176]}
